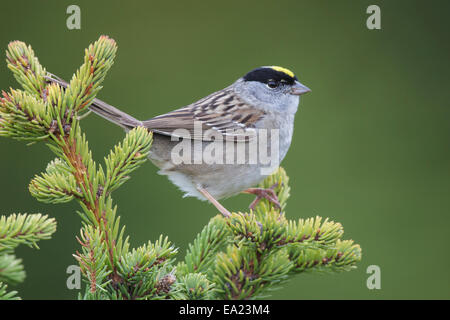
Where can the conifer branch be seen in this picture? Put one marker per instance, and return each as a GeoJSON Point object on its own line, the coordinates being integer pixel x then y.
{"type": "Point", "coordinates": [264, 248]}
{"type": "Point", "coordinates": [5, 295]}
{"type": "Point", "coordinates": [201, 255]}
{"type": "Point", "coordinates": [92, 260]}
{"type": "Point", "coordinates": [11, 269]}
{"type": "Point", "coordinates": [26, 68]}
{"type": "Point", "coordinates": [341, 257]}
{"type": "Point", "coordinates": [126, 157]}
{"type": "Point", "coordinates": [85, 83]}
{"type": "Point", "coordinates": [18, 229]}
{"type": "Point", "coordinates": [194, 286]}
{"type": "Point", "coordinates": [240, 257]}
{"type": "Point", "coordinates": [55, 188]}
{"type": "Point", "coordinates": [25, 229]}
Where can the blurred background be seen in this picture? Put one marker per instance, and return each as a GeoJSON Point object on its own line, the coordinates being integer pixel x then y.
{"type": "Point", "coordinates": [371, 141]}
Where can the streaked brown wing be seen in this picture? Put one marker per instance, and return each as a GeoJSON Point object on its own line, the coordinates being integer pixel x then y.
{"type": "Point", "coordinates": [223, 112]}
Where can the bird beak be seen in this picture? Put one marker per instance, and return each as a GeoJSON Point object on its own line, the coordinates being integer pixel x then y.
{"type": "Point", "coordinates": [299, 89]}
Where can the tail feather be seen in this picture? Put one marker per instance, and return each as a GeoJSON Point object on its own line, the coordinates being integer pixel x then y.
{"type": "Point", "coordinates": [114, 115]}
{"type": "Point", "coordinates": [104, 110]}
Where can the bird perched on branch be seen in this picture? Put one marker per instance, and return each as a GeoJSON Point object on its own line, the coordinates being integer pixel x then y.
{"type": "Point", "coordinates": [215, 147]}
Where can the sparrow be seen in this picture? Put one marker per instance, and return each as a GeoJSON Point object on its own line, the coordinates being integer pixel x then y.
{"type": "Point", "coordinates": [218, 146]}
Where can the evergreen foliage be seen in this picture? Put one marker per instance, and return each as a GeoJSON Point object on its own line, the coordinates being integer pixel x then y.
{"type": "Point", "coordinates": [241, 257]}
{"type": "Point", "coordinates": [18, 229]}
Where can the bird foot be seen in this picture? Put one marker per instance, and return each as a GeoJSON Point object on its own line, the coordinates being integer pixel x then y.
{"type": "Point", "coordinates": [262, 193]}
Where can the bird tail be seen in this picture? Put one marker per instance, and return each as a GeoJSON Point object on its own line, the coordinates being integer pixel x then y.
{"type": "Point", "coordinates": [103, 109]}
{"type": "Point", "coordinates": [114, 115]}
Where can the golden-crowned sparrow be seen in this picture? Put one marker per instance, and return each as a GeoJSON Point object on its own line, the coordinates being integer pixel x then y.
{"type": "Point", "coordinates": [206, 148]}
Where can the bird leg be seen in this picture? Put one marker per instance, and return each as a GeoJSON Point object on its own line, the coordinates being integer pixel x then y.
{"type": "Point", "coordinates": [262, 193]}
{"type": "Point", "coordinates": [216, 203]}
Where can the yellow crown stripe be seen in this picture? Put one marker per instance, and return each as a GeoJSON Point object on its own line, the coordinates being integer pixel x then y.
{"type": "Point", "coordinates": [284, 70]}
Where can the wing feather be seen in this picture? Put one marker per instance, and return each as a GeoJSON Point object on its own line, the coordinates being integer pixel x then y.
{"type": "Point", "coordinates": [223, 112]}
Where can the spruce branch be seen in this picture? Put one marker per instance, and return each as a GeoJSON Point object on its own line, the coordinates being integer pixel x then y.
{"type": "Point", "coordinates": [342, 257]}
{"type": "Point", "coordinates": [5, 295]}
{"type": "Point", "coordinates": [263, 247]}
{"type": "Point", "coordinates": [240, 257]}
{"type": "Point", "coordinates": [92, 260]}
{"type": "Point", "coordinates": [54, 112]}
{"type": "Point", "coordinates": [54, 188]}
{"type": "Point", "coordinates": [25, 229]}
{"type": "Point", "coordinates": [147, 271]}
{"type": "Point", "coordinates": [24, 117]}
{"type": "Point", "coordinates": [126, 157]}
{"type": "Point", "coordinates": [11, 269]}
{"type": "Point", "coordinates": [195, 286]}
{"type": "Point", "coordinates": [54, 117]}
{"type": "Point", "coordinates": [201, 254]}
{"type": "Point", "coordinates": [242, 273]}
{"type": "Point", "coordinates": [26, 68]}
{"type": "Point", "coordinates": [18, 229]}
{"type": "Point", "coordinates": [85, 83]}
{"type": "Point", "coordinates": [312, 232]}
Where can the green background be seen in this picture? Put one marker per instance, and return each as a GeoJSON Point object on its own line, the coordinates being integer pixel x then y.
{"type": "Point", "coordinates": [371, 141]}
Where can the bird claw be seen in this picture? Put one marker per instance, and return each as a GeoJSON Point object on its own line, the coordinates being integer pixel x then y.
{"type": "Point", "coordinates": [262, 193]}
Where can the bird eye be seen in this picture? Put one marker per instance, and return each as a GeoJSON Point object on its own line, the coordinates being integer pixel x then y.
{"type": "Point", "coordinates": [272, 84]}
